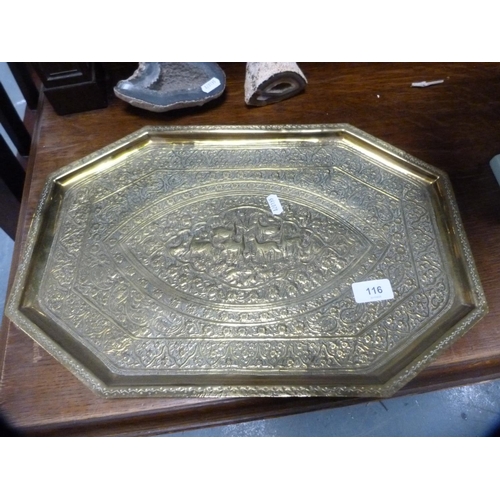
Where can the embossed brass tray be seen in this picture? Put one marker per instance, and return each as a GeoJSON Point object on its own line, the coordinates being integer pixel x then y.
{"type": "Point", "coordinates": [156, 267]}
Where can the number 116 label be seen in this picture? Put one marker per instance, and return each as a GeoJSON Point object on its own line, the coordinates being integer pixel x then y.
{"type": "Point", "coordinates": [371, 291]}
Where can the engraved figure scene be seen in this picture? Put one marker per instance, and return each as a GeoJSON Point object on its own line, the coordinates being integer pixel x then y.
{"type": "Point", "coordinates": [232, 250]}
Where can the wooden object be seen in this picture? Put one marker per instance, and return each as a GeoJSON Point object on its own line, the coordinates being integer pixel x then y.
{"type": "Point", "coordinates": [453, 126]}
{"type": "Point", "coordinates": [73, 87]}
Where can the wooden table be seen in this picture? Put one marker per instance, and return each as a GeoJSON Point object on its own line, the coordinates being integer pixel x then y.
{"type": "Point", "coordinates": [454, 126]}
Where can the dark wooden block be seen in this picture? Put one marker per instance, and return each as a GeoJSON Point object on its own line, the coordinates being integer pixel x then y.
{"type": "Point", "coordinates": [73, 87]}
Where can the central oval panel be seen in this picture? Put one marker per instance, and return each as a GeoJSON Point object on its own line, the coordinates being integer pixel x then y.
{"type": "Point", "coordinates": [230, 251]}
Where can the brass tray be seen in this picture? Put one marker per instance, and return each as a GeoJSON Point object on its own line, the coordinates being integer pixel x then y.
{"type": "Point", "coordinates": [156, 266]}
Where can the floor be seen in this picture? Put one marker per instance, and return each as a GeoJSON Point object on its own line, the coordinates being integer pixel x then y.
{"type": "Point", "coordinates": [472, 410]}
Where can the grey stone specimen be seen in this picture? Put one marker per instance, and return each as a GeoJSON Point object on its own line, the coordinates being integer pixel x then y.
{"type": "Point", "coordinates": [495, 166]}
{"type": "Point", "coordinates": [270, 82]}
{"type": "Point", "coordinates": [163, 86]}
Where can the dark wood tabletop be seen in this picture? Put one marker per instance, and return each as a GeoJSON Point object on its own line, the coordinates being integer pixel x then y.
{"type": "Point", "coordinates": [454, 126]}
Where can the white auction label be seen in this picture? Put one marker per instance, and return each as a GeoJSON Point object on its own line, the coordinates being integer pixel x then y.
{"type": "Point", "coordinates": [274, 204]}
{"type": "Point", "coordinates": [210, 85]}
{"type": "Point", "coordinates": [371, 291]}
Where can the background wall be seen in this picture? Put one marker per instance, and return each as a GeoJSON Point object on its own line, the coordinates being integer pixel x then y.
{"type": "Point", "coordinates": [6, 243]}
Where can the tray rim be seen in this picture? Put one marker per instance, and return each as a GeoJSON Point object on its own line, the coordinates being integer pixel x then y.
{"type": "Point", "coordinates": [12, 309]}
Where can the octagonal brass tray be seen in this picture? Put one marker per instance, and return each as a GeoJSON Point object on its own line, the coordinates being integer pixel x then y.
{"type": "Point", "coordinates": [247, 261]}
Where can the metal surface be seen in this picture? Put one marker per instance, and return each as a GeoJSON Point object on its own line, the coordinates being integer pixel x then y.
{"type": "Point", "coordinates": [155, 267]}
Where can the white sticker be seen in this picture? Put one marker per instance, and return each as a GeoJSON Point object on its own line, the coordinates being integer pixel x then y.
{"type": "Point", "coordinates": [274, 204]}
{"type": "Point", "coordinates": [371, 291]}
{"type": "Point", "coordinates": [210, 85]}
